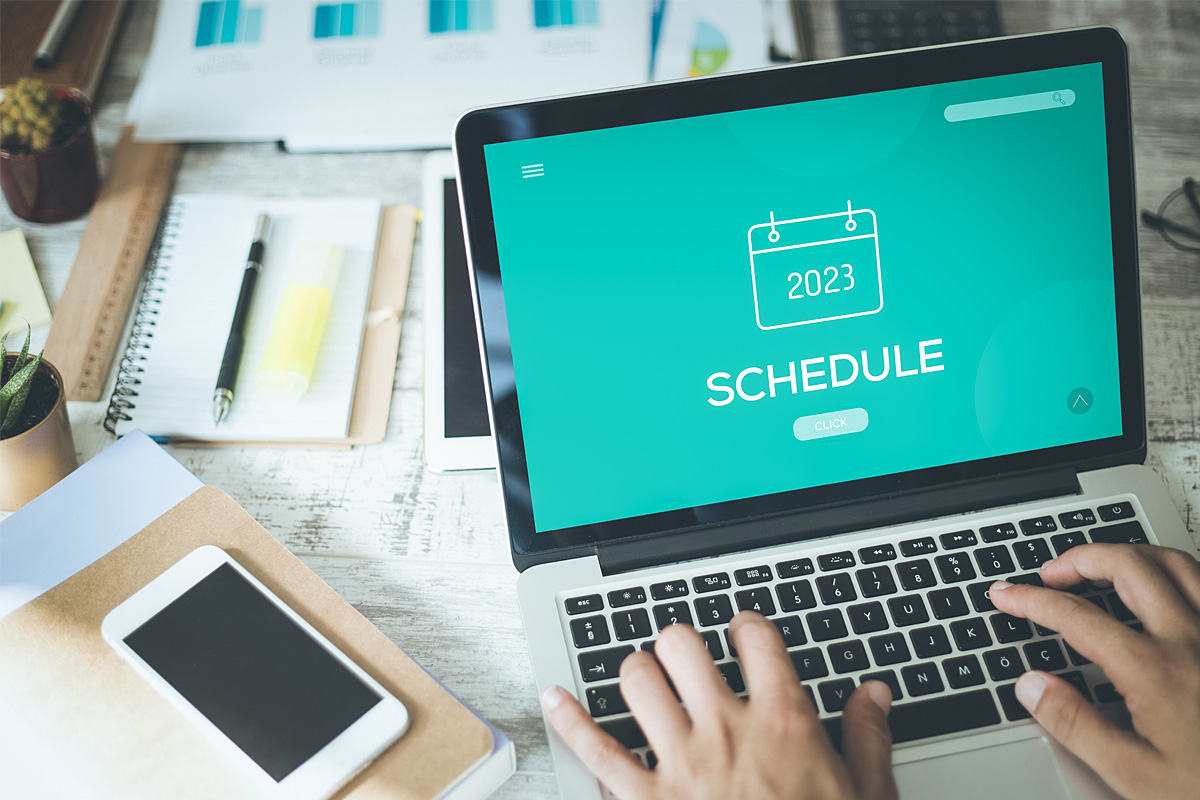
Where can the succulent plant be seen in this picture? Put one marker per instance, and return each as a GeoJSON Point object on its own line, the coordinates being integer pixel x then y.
{"type": "Point", "coordinates": [34, 118]}
{"type": "Point", "coordinates": [14, 388]}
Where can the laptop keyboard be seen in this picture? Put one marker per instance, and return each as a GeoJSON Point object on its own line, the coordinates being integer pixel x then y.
{"type": "Point", "coordinates": [910, 611]}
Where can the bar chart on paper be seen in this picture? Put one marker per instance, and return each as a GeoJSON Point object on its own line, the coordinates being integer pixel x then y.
{"type": "Point", "coordinates": [450, 16]}
{"type": "Point", "coordinates": [342, 20]}
{"type": "Point", "coordinates": [554, 13]}
{"type": "Point", "coordinates": [222, 22]}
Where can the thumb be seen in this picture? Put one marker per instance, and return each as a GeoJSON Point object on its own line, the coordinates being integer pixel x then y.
{"type": "Point", "coordinates": [1115, 754]}
{"type": "Point", "coordinates": [867, 741]}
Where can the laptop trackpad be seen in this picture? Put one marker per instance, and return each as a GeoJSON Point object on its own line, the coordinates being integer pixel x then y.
{"type": "Point", "coordinates": [1019, 769]}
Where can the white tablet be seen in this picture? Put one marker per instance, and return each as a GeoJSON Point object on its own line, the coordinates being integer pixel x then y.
{"type": "Point", "coordinates": [292, 713]}
{"type": "Point", "coordinates": [457, 429]}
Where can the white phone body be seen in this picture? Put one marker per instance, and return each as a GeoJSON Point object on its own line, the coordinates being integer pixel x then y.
{"type": "Point", "coordinates": [309, 777]}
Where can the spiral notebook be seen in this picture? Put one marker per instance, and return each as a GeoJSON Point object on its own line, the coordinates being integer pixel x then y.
{"type": "Point", "coordinates": [166, 376]}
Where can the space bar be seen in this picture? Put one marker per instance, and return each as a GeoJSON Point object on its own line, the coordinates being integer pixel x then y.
{"type": "Point", "coordinates": [925, 718]}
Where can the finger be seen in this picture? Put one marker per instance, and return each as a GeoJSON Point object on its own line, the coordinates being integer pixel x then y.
{"type": "Point", "coordinates": [867, 741]}
{"type": "Point", "coordinates": [1119, 650]}
{"type": "Point", "coordinates": [1182, 569]}
{"type": "Point", "coordinates": [652, 702]}
{"type": "Point", "coordinates": [604, 756]}
{"type": "Point", "coordinates": [1139, 580]}
{"type": "Point", "coordinates": [1081, 728]}
{"type": "Point", "coordinates": [687, 661]}
{"type": "Point", "coordinates": [770, 675]}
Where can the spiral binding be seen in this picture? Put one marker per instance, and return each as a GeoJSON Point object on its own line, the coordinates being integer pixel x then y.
{"type": "Point", "coordinates": [131, 367]}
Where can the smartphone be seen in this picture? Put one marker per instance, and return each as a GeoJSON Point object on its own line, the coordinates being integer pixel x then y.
{"type": "Point", "coordinates": [293, 714]}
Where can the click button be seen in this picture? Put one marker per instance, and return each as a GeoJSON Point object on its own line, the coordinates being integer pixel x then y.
{"type": "Point", "coordinates": [832, 423]}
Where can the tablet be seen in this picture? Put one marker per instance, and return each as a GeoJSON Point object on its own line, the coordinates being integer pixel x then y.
{"type": "Point", "coordinates": [457, 430]}
{"type": "Point", "coordinates": [292, 713]}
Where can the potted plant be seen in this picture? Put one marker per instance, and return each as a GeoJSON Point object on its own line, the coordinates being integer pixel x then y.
{"type": "Point", "coordinates": [48, 167]}
{"type": "Point", "coordinates": [36, 446]}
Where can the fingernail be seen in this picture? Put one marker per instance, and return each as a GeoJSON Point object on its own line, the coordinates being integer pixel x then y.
{"type": "Point", "coordinates": [552, 698]}
{"type": "Point", "coordinates": [880, 695]}
{"type": "Point", "coordinates": [1000, 586]}
{"type": "Point", "coordinates": [1048, 563]}
{"type": "Point", "coordinates": [1029, 689]}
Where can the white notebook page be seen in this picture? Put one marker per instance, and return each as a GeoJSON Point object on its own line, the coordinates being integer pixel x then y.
{"type": "Point", "coordinates": [200, 275]}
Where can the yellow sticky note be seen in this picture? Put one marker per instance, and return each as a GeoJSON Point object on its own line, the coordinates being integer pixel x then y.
{"type": "Point", "coordinates": [20, 291]}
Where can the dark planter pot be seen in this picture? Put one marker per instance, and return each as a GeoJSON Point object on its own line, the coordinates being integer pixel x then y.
{"type": "Point", "coordinates": [33, 461]}
{"type": "Point", "coordinates": [56, 185]}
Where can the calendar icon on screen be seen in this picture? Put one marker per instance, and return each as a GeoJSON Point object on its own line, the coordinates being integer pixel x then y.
{"type": "Point", "coordinates": [815, 269]}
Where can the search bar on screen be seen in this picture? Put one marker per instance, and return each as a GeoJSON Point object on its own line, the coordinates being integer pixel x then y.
{"type": "Point", "coordinates": [1001, 106]}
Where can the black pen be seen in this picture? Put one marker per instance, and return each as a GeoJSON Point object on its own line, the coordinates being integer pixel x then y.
{"type": "Point", "coordinates": [232, 360]}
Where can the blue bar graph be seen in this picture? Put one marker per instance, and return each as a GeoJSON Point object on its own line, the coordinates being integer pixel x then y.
{"type": "Point", "coordinates": [228, 22]}
{"type": "Point", "coordinates": [554, 13]}
{"type": "Point", "coordinates": [343, 20]}
{"type": "Point", "coordinates": [206, 28]}
{"type": "Point", "coordinates": [449, 16]}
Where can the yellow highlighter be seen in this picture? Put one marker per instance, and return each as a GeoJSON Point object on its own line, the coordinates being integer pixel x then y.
{"type": "Point", "coordinates": [291, 355]}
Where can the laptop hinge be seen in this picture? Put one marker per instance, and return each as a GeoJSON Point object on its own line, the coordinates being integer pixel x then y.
{"type": "Point", "coordinates": [902, 507]}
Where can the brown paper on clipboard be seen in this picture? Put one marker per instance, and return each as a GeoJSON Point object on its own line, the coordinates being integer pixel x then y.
{"type": "Point", "coordinates": [128, 741]}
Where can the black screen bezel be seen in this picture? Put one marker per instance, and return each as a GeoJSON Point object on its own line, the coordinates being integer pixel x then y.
{"type": "Point", "coordinates": [777, 86]}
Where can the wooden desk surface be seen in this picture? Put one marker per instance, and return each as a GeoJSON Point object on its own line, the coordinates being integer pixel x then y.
{"type": "Point", "coordinates": [425, 556]}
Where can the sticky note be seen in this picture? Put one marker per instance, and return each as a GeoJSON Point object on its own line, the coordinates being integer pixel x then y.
{"type": "Point", "coordinates": [20, 290]}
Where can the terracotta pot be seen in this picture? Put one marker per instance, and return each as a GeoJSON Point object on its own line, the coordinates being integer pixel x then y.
{"type": "Point", "coordinates": [56, 185]}
{"type": "Point", "coordinates": [33, 461]}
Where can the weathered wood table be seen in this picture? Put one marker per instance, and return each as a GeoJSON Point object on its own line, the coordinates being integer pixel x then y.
{"type": "Point", "coordinates": [425, 556]}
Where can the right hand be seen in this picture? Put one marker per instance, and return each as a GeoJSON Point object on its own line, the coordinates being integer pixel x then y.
{"type": "Point", "coordinates": [1157, 671]}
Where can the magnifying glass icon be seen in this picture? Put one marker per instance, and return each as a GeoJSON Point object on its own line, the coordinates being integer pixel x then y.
{"type": "Point", "coordinates": [1058, 98]}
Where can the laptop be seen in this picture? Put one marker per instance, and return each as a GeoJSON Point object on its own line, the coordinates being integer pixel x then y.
{"type": "Point", "coordinates": [840, 342]}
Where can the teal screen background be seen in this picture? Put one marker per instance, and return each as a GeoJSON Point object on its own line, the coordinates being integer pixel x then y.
{"type": "Point", "coordinates": [627, 282]}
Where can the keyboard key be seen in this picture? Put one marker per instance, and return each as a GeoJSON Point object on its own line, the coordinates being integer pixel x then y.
{"type": "Point", "coordinates": [1010, 629]}
{"type": "Point", "coordinates": [886, 676]}
{"type": "Point", "coordinates": [1124, 533]}
{"type": "Point", "coordinates": [834, 694]}
{"type": "Point", "coordinates": [908, 610]}
{"type": "Point", "coordinates": [960, 711]}
{"type": "Point", "coordinates": [712, 641]}
{"type": "Point", "coordinates": [1119, 609]}
{"type": "Point", "coordinates": [731, 673]}
{"type": "Point", "coordinates": [1115, 511]}
{"type": "Point", "coordinates": [729, 644]}
{"type": "Point", "coordinates": [752, 575]}
{"type": "Point", "coordinates": [1032, 554]}
{"type": "Point", "coordinates": [1030, 578]}
{"type": "Point", "coordinates": [791, 630]}
{"type": "Point", "coordinates": [915, 575]}
{"type": "Point", "coordinates": [955, 567]}
{"type": "Point", "coordinates": [631, 624]}
{"type": "Point", "coordinates": [848, 656]}
{"type": "Point", "coordinates": [1076, 679]}
{"type": "Point", "coordinates": [1095, 600]}
{"type": "Point", "coordinates": [651, 760]}
{"type": "Point", "coordinates": [584, 605]}
{"type": "Point", "coordinates": [918, 547]}
{"type": "Point", "coordinates": [970, 634]}
{"type": "Point", "coordinates": [873, 555]}
{"type": "Point", "coordinates": [626, 731]}
{"type": "Point", "coordinates": [1045, 655]}
{"type": "Point", "coordinates": [795, 596]}
{"type": "Point", "coordinates": [715, 610]}
{"type": "Point", "coordinates": [981, 599]}
{"type": "Point", "coordinates": [963, 671]}
{"type": "Point", "coordinates": [1065, 541]}
{"type": "Point", "coordinates": [632, 596]}
{"type": "Point", "coordinates": [994, 560]}
{"type": "Point", "coordinates": [1107, 693]}
{"type": "Point", "coordinates": [948, 603]}
{"type": "Point", "coordinates": [836, 589]}
{"type": "Point", "coordinates": [809, 663]}
{"type": "Point", "coordinates": [889, 649]}
{"type": "Point", "coordinates": [711, 583]}
{"type": "Point", "coordinates": [867, 618]}
{"type": "Point", "coordinates": [922, 679]}
{"type": "Point", "coordinates": [756, 600]}
{"type": "Point", "coordinates": [794, 569]}
{"type": "Point", "coordinates": [1077, 519]}
{"type": "Point", "coordinates": [1038, 526]}
{"type": "Point", "coordinates": [1077, 659]}
{"type": "Point", "coordinates": [1005, 664]}
{"type": "Point", "coordinates": [602, 665]}
{"type": "Point", "coordinates": [930, 642]}
{"type": "Point", "coordinates": [604, 701]}
{"type": "Point", "coordinates": [589, 631]}
{"type": "Point", "coordinates": [669, 590]}
{"type": "Point", "coordinates": [957, 539]}
{"type": "Point", "coordinates": [876, 581]}
{"type": "Point", "coordinates": [832, 561]}
{"type": "Point", "coordinates": [997, 533]}
{"type": "Point", "coordinates": [1013, 710]}
{"type": "Point", "coordinates": [672, 614]}
{"type": "Point", "coordinates": [826, 624]}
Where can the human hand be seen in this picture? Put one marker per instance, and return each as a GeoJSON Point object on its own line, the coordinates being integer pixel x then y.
{"type": "Point", "coordinates": [1157, 671]}
{"type": "Point", "coordinates": [771, 746]}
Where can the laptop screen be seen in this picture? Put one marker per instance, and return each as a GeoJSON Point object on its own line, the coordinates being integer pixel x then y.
{"type": "Point", "coordinates": [726, 306]}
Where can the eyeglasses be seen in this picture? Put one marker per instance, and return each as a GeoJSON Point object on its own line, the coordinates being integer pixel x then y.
{"type": "Point", "coordinates": [1178, 218]}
